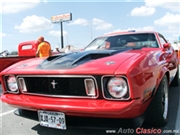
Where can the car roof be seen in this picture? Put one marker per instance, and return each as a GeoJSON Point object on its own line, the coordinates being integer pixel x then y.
{"type": "Point", "coordinates": [126, 32]}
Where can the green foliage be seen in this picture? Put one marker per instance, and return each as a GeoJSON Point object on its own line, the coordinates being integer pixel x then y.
{"type": "Point", "coordinates": [14, 53]}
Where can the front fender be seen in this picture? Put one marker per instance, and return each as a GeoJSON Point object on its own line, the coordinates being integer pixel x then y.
{"type": "Point", "coordinates": [163, 71]}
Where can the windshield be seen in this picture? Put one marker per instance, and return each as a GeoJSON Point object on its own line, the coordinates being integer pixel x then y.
{"type": "Point", "coordinates": [123, 41]}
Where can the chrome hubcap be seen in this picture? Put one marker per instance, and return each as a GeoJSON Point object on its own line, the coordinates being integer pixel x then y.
{"type": "Point", "coordinates": [165, 100]}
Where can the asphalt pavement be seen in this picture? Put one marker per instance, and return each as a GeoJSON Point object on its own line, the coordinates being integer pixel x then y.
{"type": "Point", "coordinates": [11, 124]}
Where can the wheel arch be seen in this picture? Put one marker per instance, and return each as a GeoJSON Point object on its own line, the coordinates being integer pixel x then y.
{"type": "Point", "coordinates": [163, 72]}
{"type": "Point", "coordinates": [157, 111]}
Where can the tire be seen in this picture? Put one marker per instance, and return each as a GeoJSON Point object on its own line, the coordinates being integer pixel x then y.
{"type": "Point", "coordinates": [157, 112]}
{"type": "Point", "coordinates": [175, 81]}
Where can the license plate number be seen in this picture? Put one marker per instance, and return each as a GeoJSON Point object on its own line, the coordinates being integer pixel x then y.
{"type": "Point", "coordinates": [52, 119]}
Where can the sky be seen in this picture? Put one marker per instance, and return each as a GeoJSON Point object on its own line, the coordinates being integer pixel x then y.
{"type": "Point", "coordinates": [25, 20]}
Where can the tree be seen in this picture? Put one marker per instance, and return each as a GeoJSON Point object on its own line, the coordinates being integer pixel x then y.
{"type": "Point", "coordinates": [14, 53]}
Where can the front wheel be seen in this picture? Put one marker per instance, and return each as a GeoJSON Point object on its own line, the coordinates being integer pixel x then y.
{"type": "Point", "coordinates": [157, 112]}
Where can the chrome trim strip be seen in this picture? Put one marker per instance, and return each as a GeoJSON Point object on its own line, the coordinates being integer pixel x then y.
{"type": "Point", "coordinates": [85, 83]}
{"type": "Point", "coordinates": [64, 76]}
{"type": "Point", "coordinates": [111, 96]}
{"type": "Point", "coordinates": [7, 88]}
{"type": "Point", "coordinates": [57, 96]}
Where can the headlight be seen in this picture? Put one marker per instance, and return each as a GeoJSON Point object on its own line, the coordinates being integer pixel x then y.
{"type": "Point", "coordinates": [117, 87]}
{"type": "Point", "coordinates": [12, 84]}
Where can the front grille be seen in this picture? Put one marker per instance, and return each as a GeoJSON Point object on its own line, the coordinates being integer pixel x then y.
{"type": "Point", "coordinates": [58, 86]}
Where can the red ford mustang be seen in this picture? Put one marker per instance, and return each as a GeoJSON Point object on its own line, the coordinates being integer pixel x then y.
{"type": "Point", "coordinates": [117, 76]}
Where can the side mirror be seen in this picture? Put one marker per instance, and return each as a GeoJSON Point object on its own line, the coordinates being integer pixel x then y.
{"type": "Point", "coordinates": [166, 45]}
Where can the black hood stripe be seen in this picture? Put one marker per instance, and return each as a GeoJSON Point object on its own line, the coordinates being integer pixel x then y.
{"type": "Point", "coordinates": [74, 59]}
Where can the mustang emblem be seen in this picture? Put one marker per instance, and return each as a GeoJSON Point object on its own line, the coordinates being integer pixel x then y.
{"type": "Point", "coordinates": [54, 84]}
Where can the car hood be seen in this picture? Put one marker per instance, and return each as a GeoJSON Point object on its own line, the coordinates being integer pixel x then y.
{"type": "Point", "coordinates": [85, 62]}
{"type": "Point", "coordinates": [73, 60]}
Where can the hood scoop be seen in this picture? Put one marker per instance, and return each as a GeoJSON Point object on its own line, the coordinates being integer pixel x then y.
{"type": "Point", "coordinates": [74, 59]}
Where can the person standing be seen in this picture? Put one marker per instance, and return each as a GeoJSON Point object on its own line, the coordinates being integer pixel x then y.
{"type": "Point", "coordinates": [44, 48]}
{"type": "Point", "coordinates": [178, 45]}
{"type": "Point", "coordinates": [68, 50]}
{"type": "Point", "coordinates": [56, 49]}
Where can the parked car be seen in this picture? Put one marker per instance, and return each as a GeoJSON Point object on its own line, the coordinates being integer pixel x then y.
{"type": "Point", "coordinates": [124, 75]}
{"type": "Point", "coordinates": [26, 50]}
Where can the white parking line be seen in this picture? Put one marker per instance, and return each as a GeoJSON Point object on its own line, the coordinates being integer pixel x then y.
{"type": "Point", "coordinates": [5, 113]}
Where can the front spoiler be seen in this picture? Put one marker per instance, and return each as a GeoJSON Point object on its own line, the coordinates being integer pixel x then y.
{"type": "Point", "coordinates": [77, 107]}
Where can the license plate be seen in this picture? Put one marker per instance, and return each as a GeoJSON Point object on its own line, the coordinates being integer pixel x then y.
{"type": "Point", "coordinates": [52, 119]}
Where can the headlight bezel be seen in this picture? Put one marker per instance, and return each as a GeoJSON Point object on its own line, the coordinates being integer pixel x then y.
{"type": "Point", "coordinates": [8, 89]}
{"type": "Point", "coordinates": [104, 84]}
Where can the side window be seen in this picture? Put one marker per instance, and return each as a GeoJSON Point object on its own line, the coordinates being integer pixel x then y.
{"type": "Point", "coordinates": [162, 40]}
{"type": "Point", "coordinates": [26, 47]}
